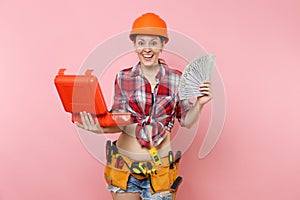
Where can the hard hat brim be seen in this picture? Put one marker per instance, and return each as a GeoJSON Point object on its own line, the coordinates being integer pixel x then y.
{"type": "Point", "coordinates": [149, 31]}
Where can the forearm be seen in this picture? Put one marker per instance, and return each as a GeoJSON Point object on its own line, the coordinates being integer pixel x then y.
{"type": "Point", "coordinates": [107, 130]}
{"type": "Point", "coordinates": [193, 114]}
{"type": "Point", "coordinates": [92, 124]}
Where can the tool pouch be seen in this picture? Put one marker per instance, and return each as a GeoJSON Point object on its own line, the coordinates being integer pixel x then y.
{"type": "Point", "coordinates": [162, 179]}
{"type": "Point", "coordinates": [116, 177]}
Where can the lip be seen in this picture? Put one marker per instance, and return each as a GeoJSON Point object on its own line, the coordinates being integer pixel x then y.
{"type": "Point", "coordinates": [147, 57]}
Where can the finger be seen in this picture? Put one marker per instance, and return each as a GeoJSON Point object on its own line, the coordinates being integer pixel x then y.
{"type": "Point", "coordinates": [207, 82]}
{"type": "Point", "coordinates": [204, 85]}
{"type": "Point", "coordinates": [78, 124]}
{"type": "Point", "coordinates": [88, 121]}
{"type": "Point", "coordinates": [92, 123]}
{"type": "Point", "coordinates": [84, 120]}
{"type": "Point", "coordinates": [91, 120]}
{"type": "Point", "coordinates": [97, 122]}
{"type": "Point", "coordinates": [206, 93]}
{"type": "Point", "coordinates": [204, 89]}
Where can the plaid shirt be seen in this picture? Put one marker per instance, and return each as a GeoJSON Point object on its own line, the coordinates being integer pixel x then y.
{"type": "Point", "coordinates": [133, 94]}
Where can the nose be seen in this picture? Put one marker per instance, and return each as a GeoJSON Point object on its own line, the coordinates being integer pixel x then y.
{"type": "Point", "coordinates": [147, 49]}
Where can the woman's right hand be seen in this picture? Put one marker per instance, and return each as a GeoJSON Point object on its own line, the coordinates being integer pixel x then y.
{"type": "Point", "coordinates": [88, 123]}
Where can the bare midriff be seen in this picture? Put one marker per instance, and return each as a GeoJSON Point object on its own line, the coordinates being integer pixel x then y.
{"type": "Point", "coordinates": [130, 147]}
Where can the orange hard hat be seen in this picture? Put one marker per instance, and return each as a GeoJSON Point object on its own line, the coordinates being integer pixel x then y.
{"type": "Point", "coordinates": [149, 24]}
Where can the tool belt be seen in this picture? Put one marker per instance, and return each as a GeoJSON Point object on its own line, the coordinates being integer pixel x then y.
{"type": "Point", "coordinates": [163, 177]}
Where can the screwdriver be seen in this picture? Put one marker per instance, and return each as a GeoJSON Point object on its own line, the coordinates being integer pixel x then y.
{"type": "Point", "coordinates": [177, 156]}
{"type": "Point", "coordinates": [108, 152]}
{"type": "Point", "coordinates": [120, 162]}
{"type": "Point", "coordinates": [149, 167]}
{"type": "Point", "coordinates": [171, 159]}
{"type": "Point", "coordinates": [176, 183]}
{"type": "Point", "coordinates": [138, 168]}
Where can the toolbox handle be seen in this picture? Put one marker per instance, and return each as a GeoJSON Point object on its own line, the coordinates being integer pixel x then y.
{"type": "Point", "coordinates": [61, 71]}
{"type": "Point", "coordinates": [89, 72]}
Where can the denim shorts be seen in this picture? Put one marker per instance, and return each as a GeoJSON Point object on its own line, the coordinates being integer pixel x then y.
{"type": "Point", "coordinates": [143, 187]}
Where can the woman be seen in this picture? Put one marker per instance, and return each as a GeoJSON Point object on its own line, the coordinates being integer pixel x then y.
{"type": "Point", "coordinates": [149, 91]}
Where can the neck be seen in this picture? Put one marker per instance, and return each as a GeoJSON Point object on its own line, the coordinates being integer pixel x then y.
{"type": "Point", "coordinates": [150, 69]}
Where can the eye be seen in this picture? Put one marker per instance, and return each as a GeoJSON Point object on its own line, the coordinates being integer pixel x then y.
{"type": "Point", "coordinates": [153, 43]}
{"type": "Point", "coordinates": [140, 43]}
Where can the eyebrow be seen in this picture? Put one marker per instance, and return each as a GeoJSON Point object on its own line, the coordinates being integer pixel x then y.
{"type": "Point", "coordinates": [150, 40]}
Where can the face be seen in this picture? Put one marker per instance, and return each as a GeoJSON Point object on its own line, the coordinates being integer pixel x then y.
{"type": "Point", "coordinates": [148, 48]}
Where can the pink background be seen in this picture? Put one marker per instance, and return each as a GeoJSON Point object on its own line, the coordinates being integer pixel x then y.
{"type": "Point", "coordinates": [257, 47]}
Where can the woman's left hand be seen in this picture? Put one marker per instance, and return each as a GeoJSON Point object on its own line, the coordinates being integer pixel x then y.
{"type": "Point", "coordinates": [205, 89]}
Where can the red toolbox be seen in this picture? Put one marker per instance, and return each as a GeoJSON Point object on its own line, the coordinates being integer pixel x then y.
{"type": "Point", "coordinates": [83, 93]}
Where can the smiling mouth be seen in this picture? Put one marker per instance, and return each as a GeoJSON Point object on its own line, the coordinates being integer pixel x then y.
{"type": "Point", "coordinates": [147, 56]}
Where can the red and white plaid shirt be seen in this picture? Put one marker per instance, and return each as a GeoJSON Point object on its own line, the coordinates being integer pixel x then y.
{"type": "Point", "coordinates": [133, 94]}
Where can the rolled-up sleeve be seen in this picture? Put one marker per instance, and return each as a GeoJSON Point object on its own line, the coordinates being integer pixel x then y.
{"type": "Point", "coordinates": [182, 108]}
{"type": "Point", "coordinates": [119, 100]}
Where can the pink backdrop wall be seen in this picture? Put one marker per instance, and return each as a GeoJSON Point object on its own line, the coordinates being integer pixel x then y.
{"type": "Point", "coordinates": [257, 47]}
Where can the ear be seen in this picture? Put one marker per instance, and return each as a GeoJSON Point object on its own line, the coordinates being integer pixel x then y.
{"type": "Point", "coordinates": [162, 46]}
{"type": "Point", "coordinates": [134, 47]}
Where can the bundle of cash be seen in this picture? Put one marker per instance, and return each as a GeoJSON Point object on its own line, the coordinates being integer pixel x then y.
{"type": "Point", "coordinates": [197, 71]}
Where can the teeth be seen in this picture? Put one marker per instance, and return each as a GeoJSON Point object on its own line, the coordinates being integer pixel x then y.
{"type": "Point", "coordinates": [147, 56]}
